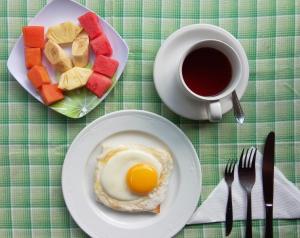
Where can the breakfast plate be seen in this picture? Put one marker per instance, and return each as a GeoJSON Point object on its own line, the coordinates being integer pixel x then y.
{"type": "Point", "coordinates": [78, 102]}
{"type": "Point", "coordinates": [166, 79]}
{"type": "Point", "coordinates": [124, 128]}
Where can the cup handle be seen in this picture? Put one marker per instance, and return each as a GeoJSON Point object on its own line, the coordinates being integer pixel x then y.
{"type": "Point", "coordinates": [214, 111]}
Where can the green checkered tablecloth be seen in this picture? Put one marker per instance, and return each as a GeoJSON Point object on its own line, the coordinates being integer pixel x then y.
{"type": "Point", "coordinates": [34, 139]}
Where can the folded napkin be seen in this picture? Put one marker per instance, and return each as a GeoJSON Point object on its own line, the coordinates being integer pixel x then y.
{"type": "Point", "coordinates": [286, 199]}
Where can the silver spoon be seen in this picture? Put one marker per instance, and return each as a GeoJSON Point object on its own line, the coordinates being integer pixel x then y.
{"type": "Point", "coordinates": [237, 109]}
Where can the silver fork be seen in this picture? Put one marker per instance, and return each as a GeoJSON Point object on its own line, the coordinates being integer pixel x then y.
{"type": "Point", "coordinates": [246, 173]}
{"type": "Point", "coordinates": [229, 177]}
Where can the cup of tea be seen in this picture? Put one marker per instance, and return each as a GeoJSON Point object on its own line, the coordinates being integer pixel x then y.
{"type": "Point", "coordinates": [209, 71]}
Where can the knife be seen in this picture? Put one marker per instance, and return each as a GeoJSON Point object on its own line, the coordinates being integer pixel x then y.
{"type": "Point", "coordinates": [268, 182]}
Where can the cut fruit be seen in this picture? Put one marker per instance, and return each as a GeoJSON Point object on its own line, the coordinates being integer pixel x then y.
{"type": "Point", "coordinates": [38, 75]}
{"type": "Point", "coordinates": [33, 56]}
{"type": "Point", "coordinates": [74, 78]}
{"type": "Point", "coordinates": [98, 84]}
{"type": "Point", "coordinates": [57, 56]}
{"type": "Point", "coordinates": [80, 50]}
{"type": "Point", "coordinates": [90, 23]}
{"type": "Point", "coordinates": [33, 36]}
{"type": "Point", "coordinates": [50, 93]}
{"type": "Point", "coordinates": [101, 45]}
{"type": "Point", "coordinates": [105, 65]}
{"type": "Point", "coordinates": [63, 33]}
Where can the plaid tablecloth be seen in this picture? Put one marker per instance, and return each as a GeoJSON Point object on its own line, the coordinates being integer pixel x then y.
{"type": "Point", "coordinates": [34, 139]}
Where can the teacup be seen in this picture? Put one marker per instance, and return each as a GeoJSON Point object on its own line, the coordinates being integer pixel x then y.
{"type": "Point", "coordinates": [209, 71]}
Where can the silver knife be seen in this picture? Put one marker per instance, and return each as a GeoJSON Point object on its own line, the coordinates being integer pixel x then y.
{"type": "Point", "coordinates": [268, 182]}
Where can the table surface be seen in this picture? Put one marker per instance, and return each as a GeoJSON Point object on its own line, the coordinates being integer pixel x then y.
{"type": "Point", "coordinates": [34, 139]}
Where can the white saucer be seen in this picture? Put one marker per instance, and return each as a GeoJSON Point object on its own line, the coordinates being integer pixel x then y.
{"type": "Point", "coordinates": [166, 69]}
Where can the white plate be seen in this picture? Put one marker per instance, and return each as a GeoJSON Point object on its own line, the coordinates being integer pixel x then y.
{"type": "Point", "coordinates": [166, 69]}
{"type": "Point", "coordinates": [131, 126]}
{"type": "Point", "coordinates": [58, 11]}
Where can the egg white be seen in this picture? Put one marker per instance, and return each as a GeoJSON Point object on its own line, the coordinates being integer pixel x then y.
{"type": "Point", "coordinates": [110, 169]}
{"type": "Point", "coordinates": [113, 176]}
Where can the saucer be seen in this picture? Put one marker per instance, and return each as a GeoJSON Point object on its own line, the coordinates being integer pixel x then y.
{"type": "Point", "coordinates": [166, 69]}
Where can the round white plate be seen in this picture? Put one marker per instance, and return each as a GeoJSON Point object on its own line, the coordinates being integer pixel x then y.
{"type": "Point", "coordinates": [127, 127]}
{"type": "Point", "coordinates": [166, 69]}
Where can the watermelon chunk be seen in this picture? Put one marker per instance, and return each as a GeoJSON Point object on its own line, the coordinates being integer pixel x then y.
{"type": "Point", "coordinates": [90, 23]}
{"type": "Point", "coordinates": [105, 65]}
{"type": "Point", "coordinates": [101, 46]}
{"type": "Point", "coordinates": [98, 84]}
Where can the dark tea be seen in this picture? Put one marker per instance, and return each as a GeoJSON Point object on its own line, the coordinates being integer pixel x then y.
{"type": "Point", "coordinates": [206, 71]}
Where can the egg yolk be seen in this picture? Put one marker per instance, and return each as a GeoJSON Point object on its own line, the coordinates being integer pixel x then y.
{"type": "Point", "coordinates": [142, 178]}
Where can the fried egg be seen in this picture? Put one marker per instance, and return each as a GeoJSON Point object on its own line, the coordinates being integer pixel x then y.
{"type": "Point", "coordinates": [132, 178]}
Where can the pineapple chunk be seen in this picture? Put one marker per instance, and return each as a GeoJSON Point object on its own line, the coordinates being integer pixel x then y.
{"type": "Point", "coordinates": [63, 33]}
{"type": "Point", "coordinates": [74, 78]}
{"type": "Point", "coordinates": [57, 56]}
{"type": "Point", "coordinates": [80, 50]}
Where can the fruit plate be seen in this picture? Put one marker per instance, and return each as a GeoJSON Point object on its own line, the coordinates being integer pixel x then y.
{"type": "Point", "coordinates": [125, 128]}
{"type": "Point", "coordinates": [78, 102]}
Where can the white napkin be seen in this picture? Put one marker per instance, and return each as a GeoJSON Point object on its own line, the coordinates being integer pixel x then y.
{"type": "Point", "coordinates": [286, 199]}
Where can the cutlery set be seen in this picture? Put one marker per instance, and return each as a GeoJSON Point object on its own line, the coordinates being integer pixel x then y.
{"type": "Point", "coordinates": [246, 177]}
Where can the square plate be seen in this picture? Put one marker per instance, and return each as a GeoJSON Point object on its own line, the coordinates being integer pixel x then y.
{"type": "Point", "coordinates": [78, 102]}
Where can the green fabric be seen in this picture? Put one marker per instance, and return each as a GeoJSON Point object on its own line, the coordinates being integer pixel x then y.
{"type": "Point", "coordinates": [35, 139]}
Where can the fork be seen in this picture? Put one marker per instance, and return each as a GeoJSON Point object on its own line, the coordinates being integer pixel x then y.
{"type": "Point", "coordinates": [229, 177]}
{"type": "Point", "coordinates": [246, 173]}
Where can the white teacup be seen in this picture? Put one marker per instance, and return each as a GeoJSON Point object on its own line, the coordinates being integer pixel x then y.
{"type": "Point", "coordinates": [213, 105]}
